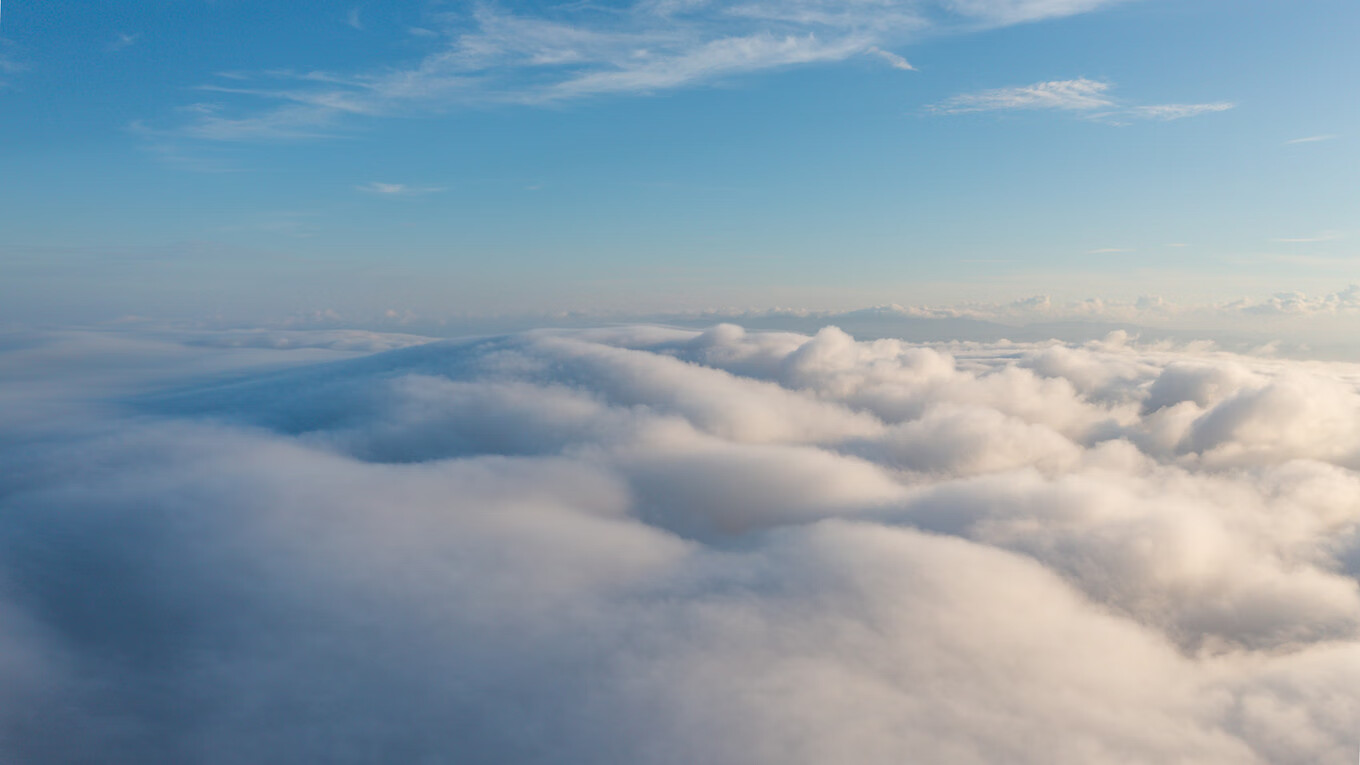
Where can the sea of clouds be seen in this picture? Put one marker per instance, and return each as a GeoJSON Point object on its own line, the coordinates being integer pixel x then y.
{"type": "Point", "coordinates": [654, 545]}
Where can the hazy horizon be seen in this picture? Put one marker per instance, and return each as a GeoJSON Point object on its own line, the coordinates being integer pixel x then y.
{"type": "Point", "coordinates": [186, 159]}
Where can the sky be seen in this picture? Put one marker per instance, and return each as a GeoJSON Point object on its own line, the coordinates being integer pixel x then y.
{"type": "Point", "coordinates": [190, 159]}
{"type": "Point", "coordinates": [658, 382]}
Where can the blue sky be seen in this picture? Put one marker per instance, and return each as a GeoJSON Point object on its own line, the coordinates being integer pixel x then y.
{"type": "Point", "coordinates": [187, 158]}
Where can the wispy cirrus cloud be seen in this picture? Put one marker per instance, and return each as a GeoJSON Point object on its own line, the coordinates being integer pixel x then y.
{"type": "Point", "coordinates": [120, 41]}
{"type": "Point", "coordinates": [398, 189]}
{"type": "Point", "coordinates": [285, 122]}
{"type": "Point", "coordinates": [1166, 112]}
{"type": "Point", "coordinates": [549, 55]}
{"type": "Point", "coordinates": [1312, 139]}
{"type": "Point", "coordinates": [9, 67]}
{"type": "Point", "coordinates": [1074, 95]}
{"type": "Point", "coordinates": [1090, 97]}
{"type": "Point", "coordinates": [894, 60]}
{"type": "Point", "coordinates": [1005, 12]}
{"type": "Point", "coordinates": [1321, 236]}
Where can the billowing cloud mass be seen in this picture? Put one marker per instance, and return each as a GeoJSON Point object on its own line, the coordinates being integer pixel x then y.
{"type": "Point", "coordinates": [650, 545]}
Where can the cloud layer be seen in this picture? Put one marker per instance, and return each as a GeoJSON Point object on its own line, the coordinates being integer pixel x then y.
{"type": "Point", "coordinates": [652, 545]}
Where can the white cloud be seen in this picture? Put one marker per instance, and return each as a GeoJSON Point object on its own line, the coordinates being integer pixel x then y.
{"type": "Point", "coordinates": [1345, 302]}
{"type": "Point", "coordinates": [1079, 95]}
{"type": "Point", "coordinates": [724, 56]}
{"type": "Point", "coordinates": [8, 67]}
{"type": "Point", "coordinates": [894, 60]}
{"type": "Point", "coordinates": [642, 544]}
{"type": "Point", "coordinates": [1167, 112]}
{"type": "Point", "coordinates": [345, 340]}
{"type": "Point", "coordinates": [492, 54]}
{"type": "Point", "coordinates": [1018, 11]}
{"type": "Point", "coordinates": [121, 41]}
{"type": "Point", "coordinates": [1291, 323]}
{"type": "Point", "coordinates": [1325, 236]}
{"type": "Point", "coordinates": [290, 122]}
{"type": "Point", "coordinates": [398, 189]}
{"type": "Point", "coordinates": [1313, 139]}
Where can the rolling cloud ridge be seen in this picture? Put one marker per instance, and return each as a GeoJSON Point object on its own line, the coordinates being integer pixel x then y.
{"type": "Point", "coordinates": [641, 544]}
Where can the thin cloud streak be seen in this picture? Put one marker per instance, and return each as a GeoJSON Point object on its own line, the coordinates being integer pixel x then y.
{"type": "Point", "coordinates": [490, 55]}
{"type": "Point", "coordinates": [1325, 236]}
{"type": "Point", "coordinates": [1086, 96]}
{"type": "Point", "coordinates": [1312, 139]}
{"type": "Point", "coordinates": [1168, 112]}
{"type": "Point", "coordinates": [398, 189]}
{"type": "Point", "coordinates": [1075, 95]}
{"type": "Point", "coordinates": [121, 41]}
{"type": "Point", "coordinates": [9, 67]}
{"type": "Point", "coordinates": [894, 60]}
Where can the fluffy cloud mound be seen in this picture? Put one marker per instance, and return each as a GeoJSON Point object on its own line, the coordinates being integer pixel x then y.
{"type": "Point", "coordinates": [648, 545]}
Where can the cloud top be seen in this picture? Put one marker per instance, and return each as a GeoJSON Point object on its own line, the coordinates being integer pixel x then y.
{"type": "Point", "coordinates": [643, 544]}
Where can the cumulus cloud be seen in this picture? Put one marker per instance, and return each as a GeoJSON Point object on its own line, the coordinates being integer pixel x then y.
{"type": "Point", "coordinates": [1295, 324]}
{"type": "Point", "coordinates": [1345, 302]}
{"type": "Point", "coordinates": [645, 544]}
